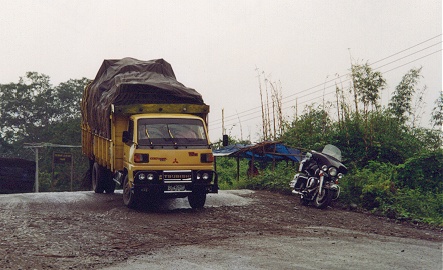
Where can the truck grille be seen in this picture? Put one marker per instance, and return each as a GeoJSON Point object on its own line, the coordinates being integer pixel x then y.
{"type": "Point", "coordinates": [177, 175]}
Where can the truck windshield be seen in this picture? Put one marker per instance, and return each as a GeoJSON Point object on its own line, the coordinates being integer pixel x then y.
{"type": "Point", "coordinates": [171, 131]}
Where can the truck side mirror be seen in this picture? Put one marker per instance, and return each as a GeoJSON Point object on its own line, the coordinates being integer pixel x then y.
{"type": "Point", "coordinates": [126, 138]}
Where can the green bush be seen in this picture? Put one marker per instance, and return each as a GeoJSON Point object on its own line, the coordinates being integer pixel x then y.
{"type": "Point", "coordinates": [424, 172]}
{"type": "Point", "coordinates": [370, 187]}
{"type": "Point", "coordinates": [227, 172]}
{"type": "Point", "coordinates": [270, 177]}
{"type": "Point", "coordinates": [411, 190]}
{"type": "Point", "coordinates": [418, 205]}
{"type": "Point", "coordinates": [274, 178]}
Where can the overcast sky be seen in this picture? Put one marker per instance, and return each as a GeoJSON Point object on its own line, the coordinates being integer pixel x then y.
{"type": "Point", "coordinates": [219, 47]}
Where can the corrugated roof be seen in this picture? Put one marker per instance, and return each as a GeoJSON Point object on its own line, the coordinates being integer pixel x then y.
{"type": "Point", "coordinates": [266, 151]}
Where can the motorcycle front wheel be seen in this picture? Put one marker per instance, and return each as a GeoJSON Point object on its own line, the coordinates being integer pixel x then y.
{"type": "Point", "coordinates": [324, 199]}
{"type": "Point", "coordinates": [303, 201]}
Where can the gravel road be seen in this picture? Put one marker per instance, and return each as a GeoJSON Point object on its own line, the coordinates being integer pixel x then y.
{"type": "Point", "coordinates": [236, 230]}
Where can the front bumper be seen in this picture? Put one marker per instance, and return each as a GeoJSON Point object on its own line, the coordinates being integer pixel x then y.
{"type": "Point", "coordinates": [175, 183]}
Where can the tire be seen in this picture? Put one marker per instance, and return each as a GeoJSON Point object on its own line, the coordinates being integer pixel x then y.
{"type": "Point", "coordinates": [97, 178]}
{"type": "Point", "coordinates": [197, 199]}
{"type": "Point", "coordinates": [129, 198]}
{"type": "Point", "coordinates": [109, 183]}
{"type": "Point", "coordinates": [323, 200]}
{"type": "Point", "coordinates": [110, 187]}
{"type": "Point", "coordinates": [304, 201]}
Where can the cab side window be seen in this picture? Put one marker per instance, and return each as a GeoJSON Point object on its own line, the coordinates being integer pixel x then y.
{"type": "Point", "coordinates": [131, 129]}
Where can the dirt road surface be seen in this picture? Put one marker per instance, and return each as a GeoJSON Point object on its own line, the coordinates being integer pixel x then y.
{"type": "Point", "coordinates": [236, 230]}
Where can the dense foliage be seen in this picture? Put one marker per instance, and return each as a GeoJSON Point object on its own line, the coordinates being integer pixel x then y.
{"type": "Point", "coordinates": [34, 111]}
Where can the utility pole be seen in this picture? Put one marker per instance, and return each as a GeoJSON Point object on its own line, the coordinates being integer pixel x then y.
{"type": "Point", "coordinates": [223, 122]}
{"type": "Point", "coordinates": [36, 170]}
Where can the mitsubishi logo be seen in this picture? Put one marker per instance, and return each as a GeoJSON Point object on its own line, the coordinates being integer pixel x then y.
{"type": "Point", "coordinates": [175, 161]}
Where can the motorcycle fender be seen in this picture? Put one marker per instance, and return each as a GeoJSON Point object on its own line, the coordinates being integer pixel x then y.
{"type": "Point", "coordinates": [320, 188]}
{"type": "Point", "coordinates": [336, 189]}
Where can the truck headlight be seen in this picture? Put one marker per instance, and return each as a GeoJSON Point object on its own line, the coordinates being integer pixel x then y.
{"type": "Point", "coordinates": [204, 176]}
{"type": "Point", "coordinates": [146, 176]}
{"type": "Point", "coordinates": [150, 177]}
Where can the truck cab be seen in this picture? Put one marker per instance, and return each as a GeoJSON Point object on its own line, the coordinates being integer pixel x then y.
{"type": "Point", "coordinates": [167, 155]}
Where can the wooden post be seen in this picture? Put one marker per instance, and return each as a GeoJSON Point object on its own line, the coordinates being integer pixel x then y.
{"type": "Point", "coordinates": [72, 170]}
{"type": "Point", "coordinates": [36, 170]}
{"type": "Point", "coordinates": [238, 168]}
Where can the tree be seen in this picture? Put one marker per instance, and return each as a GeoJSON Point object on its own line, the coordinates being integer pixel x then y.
{"type": "Point", "coordinates": [437, 112]}
{"type": "Point", "coordinates": [271, 108]}
{"type": "Point", "coordinates": [25, 106]}
{"type": "Point", "coordinates": [367, 85]}
{"type": "Point", "coordinates": [31, 108]}
{"type": "Point", "coordinates": [312, 130]}
{"type": "Point", "coordinates": [67, 98]}
{"type": "Point", "coordinates": [400, 104]}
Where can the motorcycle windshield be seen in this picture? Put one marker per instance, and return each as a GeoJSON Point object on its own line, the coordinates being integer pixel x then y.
{"type": "Point", "coordinates": [332, 151]}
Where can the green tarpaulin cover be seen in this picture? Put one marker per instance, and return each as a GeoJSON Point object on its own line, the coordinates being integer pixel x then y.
{"type": "Point", "coordinates": [131, 81]}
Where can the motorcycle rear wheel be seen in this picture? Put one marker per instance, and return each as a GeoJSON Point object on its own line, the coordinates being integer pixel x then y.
{"type": "Point", "coordinates": [324, 199]}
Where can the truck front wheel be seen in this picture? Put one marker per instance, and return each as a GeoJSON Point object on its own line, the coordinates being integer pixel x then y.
{"type": "Point", "coordinates": [97, 181]}
{"type": "Point", "coordinates": [128, 194]}
{"type": "Point", "coordinates": [197, 198]}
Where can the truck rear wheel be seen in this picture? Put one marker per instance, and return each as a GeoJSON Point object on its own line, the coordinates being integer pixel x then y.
{"type": "Point", "coordinates": [97, 181]}
{"type": "Point", "coordinates": [129, 198]}
{"type": "Point", "coordinates": [197, 198]}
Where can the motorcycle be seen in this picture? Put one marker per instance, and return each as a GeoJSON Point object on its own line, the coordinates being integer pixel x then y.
{"type": "Point", "coordinates": [317, 178]}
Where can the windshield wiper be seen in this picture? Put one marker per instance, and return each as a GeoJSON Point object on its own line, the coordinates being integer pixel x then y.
{"type": "Point", "coordinates": [172, 137]}
{"type": "Point", "coordinates": [149, 138]}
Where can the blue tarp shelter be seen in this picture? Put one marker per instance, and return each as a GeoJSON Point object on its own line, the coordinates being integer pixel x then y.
{"type": "Point", "coordinates": [264, 152]}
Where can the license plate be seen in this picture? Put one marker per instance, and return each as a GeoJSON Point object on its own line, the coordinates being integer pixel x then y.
{"type": "Point", "coordinates": [176, 187]}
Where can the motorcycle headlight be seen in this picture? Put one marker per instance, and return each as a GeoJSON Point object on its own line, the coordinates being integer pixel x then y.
{"type": "Point", "coordinates": [340, 175]}
{"type": "Point", "coordinates": [324, 168]}
{"type": "Point", "coordinates": [332, 171]}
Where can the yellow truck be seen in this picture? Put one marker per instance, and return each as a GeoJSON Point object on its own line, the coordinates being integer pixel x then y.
{"type": "Point", "coordinates": [146, 132]}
